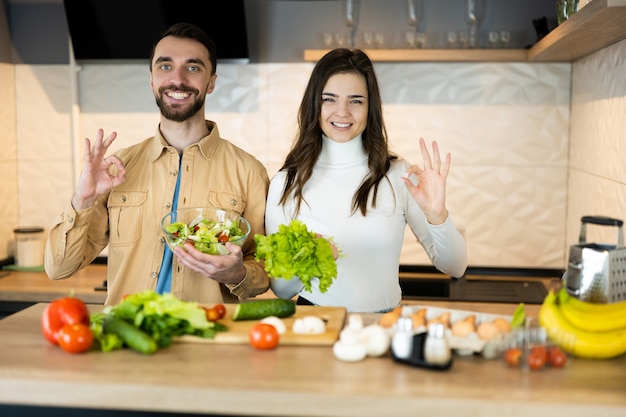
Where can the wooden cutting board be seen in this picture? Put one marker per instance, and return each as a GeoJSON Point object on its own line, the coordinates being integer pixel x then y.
{"type": "Point", "coordinates": [237, 332]}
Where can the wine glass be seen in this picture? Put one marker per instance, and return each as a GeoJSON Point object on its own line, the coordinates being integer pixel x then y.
{"type": "Point", "coordinates": [463, 39]}
{"type": "Point", "coordinates": [379, 39]}
{"type": "Point", "coordinates": [327, 38]}
{"type": "Point", "coordinates": [452, 39]}
{"type": "Point", "coordinates": [420, 40]}
{"type": "Point", "coordinates": [409, 37]}
{"type": "Point", "coordinates": [493, 39]}
{"type": "Point", "coordinates": [505, 38]}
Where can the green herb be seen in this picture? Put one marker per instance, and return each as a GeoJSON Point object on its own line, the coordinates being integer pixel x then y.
{"type": "Point", "coordinates": [161, 316]}
{"type": "Point", "coordinates": [294, 251]}
{"type": "Point", "coordinates": [519, 317]}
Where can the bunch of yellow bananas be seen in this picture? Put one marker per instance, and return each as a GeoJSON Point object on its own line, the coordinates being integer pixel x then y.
{"type": "Point", "coordinates": [585, 330]}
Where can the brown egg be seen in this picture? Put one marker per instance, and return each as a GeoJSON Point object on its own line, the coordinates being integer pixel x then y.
{"type": "Point", "coordinates": [503, 325]}
{"type": "Point", "coordinates": [487, 331]}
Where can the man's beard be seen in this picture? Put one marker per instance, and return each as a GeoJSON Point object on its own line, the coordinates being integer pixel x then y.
{"type": "Point", "coordinates": [179, 114]}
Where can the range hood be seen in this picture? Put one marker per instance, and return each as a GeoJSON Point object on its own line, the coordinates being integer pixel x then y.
{"type": "Point", "coordinates": [125, 29]}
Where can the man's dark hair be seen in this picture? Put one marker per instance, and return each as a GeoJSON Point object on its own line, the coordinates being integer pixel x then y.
{"type": "Point", "coordinates": [189, 31]}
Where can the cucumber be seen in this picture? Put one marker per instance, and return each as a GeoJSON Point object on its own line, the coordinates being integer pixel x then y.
{"type": "Point", "coordinates": [132, 336]}
{"type": "Point", "coordinates": [259, 309]}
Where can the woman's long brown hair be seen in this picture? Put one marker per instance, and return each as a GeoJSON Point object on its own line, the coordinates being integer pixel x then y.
{"type": "Point", "coordinates": [308, 143]}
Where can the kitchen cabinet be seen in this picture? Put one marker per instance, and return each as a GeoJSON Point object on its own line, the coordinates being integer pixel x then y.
{"type": "Point", "coordinates": [597, 25]}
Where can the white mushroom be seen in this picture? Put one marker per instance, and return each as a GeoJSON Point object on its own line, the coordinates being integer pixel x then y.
{"type": "Point", "coordinates": [309, 325]}
{"type": "Point", "coordinates": [276, 322]}
{"type": "Point", "coordinates": [376, 339]}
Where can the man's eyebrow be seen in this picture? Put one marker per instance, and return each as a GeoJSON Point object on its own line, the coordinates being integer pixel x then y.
{"type": "Point", "coordinates": [189, 61]}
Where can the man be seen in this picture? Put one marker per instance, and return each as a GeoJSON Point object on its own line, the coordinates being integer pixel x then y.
{"type": "Point", "coordinates": [121, 199]}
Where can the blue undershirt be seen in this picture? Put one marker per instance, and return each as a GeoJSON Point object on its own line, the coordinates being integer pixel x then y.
{"type": "Point", "coordinates": [164, 282]}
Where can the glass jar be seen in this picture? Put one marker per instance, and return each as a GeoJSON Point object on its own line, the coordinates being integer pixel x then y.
{"type": "Point", "coordinates": [29, 245]}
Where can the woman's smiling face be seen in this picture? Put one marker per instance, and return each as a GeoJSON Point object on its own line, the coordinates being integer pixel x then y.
{"type": "Point", "coordinates": [344, 107]}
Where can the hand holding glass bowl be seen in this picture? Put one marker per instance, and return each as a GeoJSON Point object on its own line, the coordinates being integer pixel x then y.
{"type": "Point", "coordinates": [207, 228]}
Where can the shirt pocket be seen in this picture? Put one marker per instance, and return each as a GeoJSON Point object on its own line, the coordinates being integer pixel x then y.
{"type": "Point", "coordinates": [227, 200]}
{"type": "Point", "coordinates": [126, 211]}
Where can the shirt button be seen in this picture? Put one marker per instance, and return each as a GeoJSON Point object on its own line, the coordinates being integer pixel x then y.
{"type": "Point", "coordinates": [167, 205]}
{"type": "Point", "coordinates": [233, 202]}
{"type": "Point", "coordinates": [173, 173]}
{"type": "Point", "coordinates": [123, 199]}
{"type": "Point", "coordinates": [154, 275]}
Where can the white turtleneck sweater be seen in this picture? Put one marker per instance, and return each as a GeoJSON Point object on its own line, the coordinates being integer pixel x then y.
{"type": "Point", "coordinates": [367, 270]}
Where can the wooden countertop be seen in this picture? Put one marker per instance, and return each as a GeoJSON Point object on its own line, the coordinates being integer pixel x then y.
{"type": "Point", "coordinates": [292, 381]}
{"type": "Point", "coordinates": [37, 287]}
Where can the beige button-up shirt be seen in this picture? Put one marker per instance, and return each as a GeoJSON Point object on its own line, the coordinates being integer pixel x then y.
{"type": "Point", "coordinates": [128, 219]}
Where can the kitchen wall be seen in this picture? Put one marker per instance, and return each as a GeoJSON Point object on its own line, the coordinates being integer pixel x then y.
{"type": "Point", "coordinates": [505, 125]}
{"type": "Point", "coordinates": [8, 143]}
{"type": "Point", "coordinates": [597, 160]}
{"type": "Point", "coordinates": [516, 190]}
{"type": "Point", "coordinates": [8, 159]}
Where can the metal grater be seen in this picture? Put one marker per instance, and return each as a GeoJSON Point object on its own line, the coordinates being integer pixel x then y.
{"type": "Point", "coordinates": [596, 273]}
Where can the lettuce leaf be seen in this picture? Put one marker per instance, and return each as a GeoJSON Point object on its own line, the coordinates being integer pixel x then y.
{"type": "Point", "coordinates": [162, 316]}
{"type": "Point", "coordinates": [295, 251]}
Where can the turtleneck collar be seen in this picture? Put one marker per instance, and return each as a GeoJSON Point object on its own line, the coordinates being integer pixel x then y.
{"type": "Point", "coordinates": [341, 153]}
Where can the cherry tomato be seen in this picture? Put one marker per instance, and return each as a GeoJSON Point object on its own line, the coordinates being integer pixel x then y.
{"type": "Point", "coordinates": [513, 357]}
{"type": "Point", "coordinates": [75, 338]}
{"type": "Point", "coordinates": [221, 310]}
{"type": "Point", "coordinates": [537, 357]}
{"type": "Point", "coordinates": [212, 314]}
{"type": "Point", "coordinates": [263, 336]}
{"type": "Point", "coordinates": [557, 357]}
{"type": "Point", "coordinates": [223, 238]}
{"type": "Point", "coordinates": [540, 351]}
{"type": "Point", "coordinates": [67, 310]}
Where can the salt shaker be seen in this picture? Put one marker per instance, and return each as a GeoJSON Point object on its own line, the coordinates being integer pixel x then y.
{"type": "Point", "coordinates": [402, 341]}
{"type": "Point", "coordinates": [436, 348]}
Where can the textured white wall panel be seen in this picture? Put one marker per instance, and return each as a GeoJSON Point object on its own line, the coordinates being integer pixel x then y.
{"type": "Point", "coordinates": [8, 160]}
{"type": "Point", "coordinates": [44, 142]}
{"type": "Point", "coordinates": [597, 183]}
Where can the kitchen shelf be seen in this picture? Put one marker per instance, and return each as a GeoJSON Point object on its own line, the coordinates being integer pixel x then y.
{"type": "Point", "coordinates": [433, 55]}
{"type": "Point", "coordinates": [597, 25]}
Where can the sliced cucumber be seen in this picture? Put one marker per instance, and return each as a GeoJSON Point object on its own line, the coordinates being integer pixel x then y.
{"type": "Point", "coordinates": [259, 309]}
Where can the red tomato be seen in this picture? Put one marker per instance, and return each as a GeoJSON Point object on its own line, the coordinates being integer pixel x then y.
{"type": "Point", "coordinates": [537, 357]}
{"type": "Point", "coordinates": [513, 357]}
{"type": "Point", "coordinates": [223, 238]}
{"type": "Point", "coordinates": [540, 351]}
{"type": "Point", "coordinates": [75, 338]}
{"type": "Point", "coordinates": [221, 310]}
{"type": "Point", "coordinates": [263, 336]}
{"type": "Point", "coordinates": [58, 313]}
{"type": "Point", "coordinates": [556, 357]}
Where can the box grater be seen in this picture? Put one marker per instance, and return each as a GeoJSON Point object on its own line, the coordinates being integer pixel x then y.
{"type": "Point", "coordinates": [596, 272]}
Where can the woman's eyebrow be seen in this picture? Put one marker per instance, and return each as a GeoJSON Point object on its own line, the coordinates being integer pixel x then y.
{"type": "Point", "coordinates": [349, 96]}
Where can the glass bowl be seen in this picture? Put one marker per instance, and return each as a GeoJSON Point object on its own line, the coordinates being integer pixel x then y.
{"type": "Point", "coordinates": [208, 228]}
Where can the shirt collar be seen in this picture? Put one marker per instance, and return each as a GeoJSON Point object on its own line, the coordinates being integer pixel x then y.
{"type": "Point", "coordinates": [207, 144]}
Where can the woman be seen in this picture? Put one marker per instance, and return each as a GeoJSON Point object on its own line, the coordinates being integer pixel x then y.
{"type": "Point", "coordinates": [342, 181]}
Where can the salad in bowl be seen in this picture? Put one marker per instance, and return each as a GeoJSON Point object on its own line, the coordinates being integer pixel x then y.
{"type": "Point", "coordinates": [207, 228]}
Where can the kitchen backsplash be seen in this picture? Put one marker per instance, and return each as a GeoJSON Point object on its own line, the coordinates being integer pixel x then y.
{"type": "Point", "coordinates": [512, 190]}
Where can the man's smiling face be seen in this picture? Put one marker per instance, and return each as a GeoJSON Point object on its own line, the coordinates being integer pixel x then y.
{"type": "Point", "coordinates": [181, 77]}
